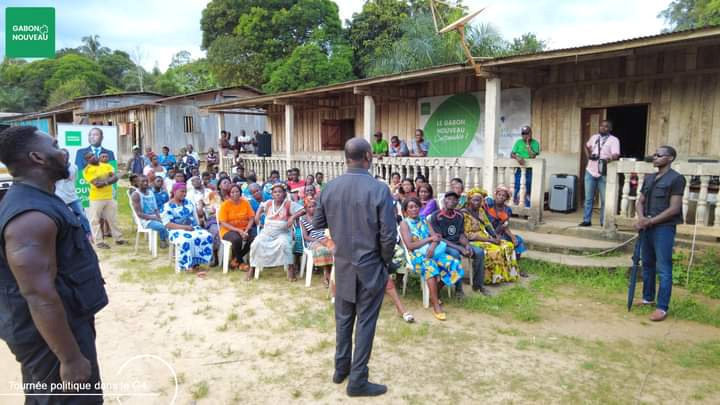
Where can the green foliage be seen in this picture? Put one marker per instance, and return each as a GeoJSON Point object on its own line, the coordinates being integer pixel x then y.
{"type": "Point", "coordinates": [69, 90]}
{"type": "Point", "coordinates": [77, 67]}
{"type": "Point", "coordinates": [117, 66]}
{"type": "Point", "coordinates": [376, 27]}
{"type": "Point", "coordinates": [701, 355]}
{"type": "Point", "coordinates": [309, 66]}
{"type": "Point", "coordinates": [686, 14]}
{"type": "Point", "coordinates": [185, 77]}
{"type": "Point", "coordinates": [704, 272]}
{"type": "Point", "coordinates": [92, 48]}
{"type": "Point", "coordinates": [264, 36]}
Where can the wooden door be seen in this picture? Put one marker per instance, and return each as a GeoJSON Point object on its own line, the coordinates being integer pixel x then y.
{"type": "Point", "coordinates": [330, 135]}
{"type": "Point", "coordinates": [590, 125]}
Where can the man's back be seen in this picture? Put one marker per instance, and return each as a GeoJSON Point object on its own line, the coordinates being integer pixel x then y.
{"type": "Point", "coordinates": [358, 211]}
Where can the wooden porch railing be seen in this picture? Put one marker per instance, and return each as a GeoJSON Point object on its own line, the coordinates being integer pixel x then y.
{"type": "Point", "coordinates": [699, 204]}
{"type": "Point", "coordinates": [438, 171]}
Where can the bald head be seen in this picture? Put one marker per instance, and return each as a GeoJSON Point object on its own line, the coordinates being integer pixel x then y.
{"type": "Point", "coordinates": [358, 152]}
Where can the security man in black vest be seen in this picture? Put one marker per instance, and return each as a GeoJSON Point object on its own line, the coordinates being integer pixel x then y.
{"type": "Point", "coordinates": [659, 210]}
{"type": "Point", "coordinates": [50, 281]}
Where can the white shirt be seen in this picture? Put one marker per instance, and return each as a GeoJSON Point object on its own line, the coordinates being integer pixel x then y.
{"type": "Point", "coordinates": [248, 147]}
{"type": "Point", "coordinates": [196, 195]}
{"type": "Point", "coordinates": [65, 189]}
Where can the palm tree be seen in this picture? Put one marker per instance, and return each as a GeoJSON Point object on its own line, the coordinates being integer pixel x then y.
{"type": "Point", "coordinates": [92, 48]}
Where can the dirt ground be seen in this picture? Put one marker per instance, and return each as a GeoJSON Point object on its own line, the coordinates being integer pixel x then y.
{"type": "Point", "coordinates": [227, 341]}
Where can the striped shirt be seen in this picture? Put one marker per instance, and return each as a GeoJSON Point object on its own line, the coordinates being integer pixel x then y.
{"type": "Point", "coordinates": [318, 234]}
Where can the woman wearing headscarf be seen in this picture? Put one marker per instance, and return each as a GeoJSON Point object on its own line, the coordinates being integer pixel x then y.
{"type": "Point", "coordinates": [273, 245]}
{"type": "Point", "coordinates": [500, 261]}
{"type": "Point", "coordinates": [320, 244]}
{"type": "Point", "coordinates": [499, 214]}
{"type": "Point", "coordinates": [193, 244]}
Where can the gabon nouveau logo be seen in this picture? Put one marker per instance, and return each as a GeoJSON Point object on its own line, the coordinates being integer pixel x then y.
{"type": "Point", "coordinates": [30, 32]}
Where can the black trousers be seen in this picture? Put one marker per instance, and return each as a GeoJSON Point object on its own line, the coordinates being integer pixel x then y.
{"type": "Point", "coordinates": [240, 247]}
{"type": "Point", "coordinates": [366, 309]}
{"type": "Point", "coordinates": [40, 366]}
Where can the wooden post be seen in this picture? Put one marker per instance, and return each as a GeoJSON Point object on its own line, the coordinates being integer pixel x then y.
{"type": "Point", "coordinates": [368, 118]}
{"type": "Point", "coordinates": [221, 151]}
{"type": "Point", "coordinates": [289, 130]}
{"type": "Point", "coordinates": [492, 130]}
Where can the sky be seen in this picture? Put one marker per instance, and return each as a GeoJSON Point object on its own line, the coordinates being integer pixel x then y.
{"type": "Point", "coordinates": [157, 29]}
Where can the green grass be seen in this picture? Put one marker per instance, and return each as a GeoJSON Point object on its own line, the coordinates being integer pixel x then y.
{"type": "Point", "coordinates": [701, 355]}
{"type": "Point", "coordinates": [199, 390]}
{"type": "Point", "coordinates": [518, 302]}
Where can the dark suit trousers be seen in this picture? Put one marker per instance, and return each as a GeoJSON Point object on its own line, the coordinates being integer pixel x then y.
{"type": "Point", "coordinates": [40, 365]}
{"type": "Point", "coordinates": [366, 309]}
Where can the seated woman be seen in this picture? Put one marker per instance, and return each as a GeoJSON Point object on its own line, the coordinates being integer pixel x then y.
{"type": "Point", "coordinates": [193, 244]}
{"type": "Point", "coordinates": [273, 245]}
{"type": "Point", "coordinates": [154, 169]}
{"type": "Point", "coordinates": [428, 254]}
{"type": "Point", "coordinates": [499, 215]}
{"type": "Point", "coordinates": [429, 205]}
{"type": "Point", "coordinates": [395, 184]}
{"type": "Point", "coordinates": [500, 262]}
{"type": "Point", "coordinates": [407, 189]}
{"type": "Point", "coordinates": [145, 206]}
{"type": "Point", "coordinates": [320, 245]}
{"type": "Point", "coordinates": [236, 218]}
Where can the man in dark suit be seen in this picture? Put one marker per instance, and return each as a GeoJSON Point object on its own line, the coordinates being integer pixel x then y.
{"type": "Point", "coordinates": [95, 138]}
{"type": "Point", "coordinates": [359, 212]}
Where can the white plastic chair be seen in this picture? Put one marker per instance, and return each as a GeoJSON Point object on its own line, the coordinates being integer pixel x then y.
{"type": "Point", "coordinates": [423, 283]}
{"type": "Point", "coordinates": [152, 235]}
{"type": "Point", "coordinates": [226, 252]}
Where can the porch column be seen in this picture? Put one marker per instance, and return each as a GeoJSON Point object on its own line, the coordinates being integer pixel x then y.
{"type": "Point", "coordinates": [221, 127]}
{"type": "Point", "coordinates": [368, 118]}
{"type": "Point", "coordinates": [492, 130]}
{"type": "Point", "coordinates": [289, 131]}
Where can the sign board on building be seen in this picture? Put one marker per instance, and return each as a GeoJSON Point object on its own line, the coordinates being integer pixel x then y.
{"type": "Point", "coordinates": [455, 125]}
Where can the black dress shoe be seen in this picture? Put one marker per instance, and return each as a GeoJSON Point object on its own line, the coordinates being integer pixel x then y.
{"type": "Point", "coordinates": [482, 290]}
{"type": "Point", "coordinates": [367, 390]}
{"type": "Point", "coordinates": [584, 223]}
{"type": "Point", "coordinates": [339, 378]}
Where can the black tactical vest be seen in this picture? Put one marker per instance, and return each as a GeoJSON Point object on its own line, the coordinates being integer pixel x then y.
{"type": "Point", "coordinates": [79, 281]}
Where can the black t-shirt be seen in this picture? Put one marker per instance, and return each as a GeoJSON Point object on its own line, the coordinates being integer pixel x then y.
{"type": "Point", "coordinates": [449, 228]}
{"type": "Point", "coordinates": [657, 194]}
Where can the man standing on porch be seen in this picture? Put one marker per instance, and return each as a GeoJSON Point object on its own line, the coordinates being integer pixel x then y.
{"type": "Point", "coordinates": [358, 211]}
{"type": "Point", "coordinates": [524, 148]}
{"type": "Point", "coordinates": [659, 210]}
{"type": "Point", "coordinates": [600, 149]}
{"type": "Point", "coordinates": [380, 146]}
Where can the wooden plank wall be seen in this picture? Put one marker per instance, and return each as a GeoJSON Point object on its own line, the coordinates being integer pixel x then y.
{"type": "Point", "coordinates": [681, 86]}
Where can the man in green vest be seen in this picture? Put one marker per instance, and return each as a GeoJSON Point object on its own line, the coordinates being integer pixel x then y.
{"type": "Point", "coordinates": [524, 148]}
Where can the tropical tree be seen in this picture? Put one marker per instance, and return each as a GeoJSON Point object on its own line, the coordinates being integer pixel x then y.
{"type": "Point", "coordinates": [92, 48]}
{"type": "Point", "coordinates": [686, 14]}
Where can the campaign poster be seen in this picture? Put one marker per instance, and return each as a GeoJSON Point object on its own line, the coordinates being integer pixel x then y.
{"type": "Point", "coordinates": [80, 139]}
{"type": "Point", "coordinates": [455, 124]}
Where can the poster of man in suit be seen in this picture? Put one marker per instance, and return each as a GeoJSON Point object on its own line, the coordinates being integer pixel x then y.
{"type": "Point", "coordinates": [81, 139]}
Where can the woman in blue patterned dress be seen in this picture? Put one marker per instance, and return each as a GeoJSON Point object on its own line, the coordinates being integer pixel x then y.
{"type": "Point", "coordinates": [428, 255]}
{"type": "Point", "coordinates": [194, 244]}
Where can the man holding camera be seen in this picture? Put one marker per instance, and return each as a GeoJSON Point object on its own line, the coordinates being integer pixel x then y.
{"type": "Point", "coordinates": [600, 149]}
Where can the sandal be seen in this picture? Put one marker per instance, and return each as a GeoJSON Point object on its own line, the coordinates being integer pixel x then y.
{"type": "Point", "coordinates": [440, 316]}
{"type": "Point", "coordinates": [407, 317]}
{"type": "Point", "coordinates": [243, 267]}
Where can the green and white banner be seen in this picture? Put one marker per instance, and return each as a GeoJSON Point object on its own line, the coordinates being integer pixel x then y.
{"type": "Point", "coordinates": [455, 125]}
{"type": "Point", "coordinates": [80, 139]}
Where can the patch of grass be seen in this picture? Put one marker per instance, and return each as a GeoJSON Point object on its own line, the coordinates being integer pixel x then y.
{"type": "Point", "coordinates": [306, 318]}
{"type": "Point", "coordinates": [318, 395]}
{"type": "Point", "coordinates": [296, 393]}
{"type": "Point", "coordinates": [273, 354]}
{"type": "Point", "coordinates": [689, 309]}
{"type": "Point", "coordinates": [510, 331]}
{"type": "Point", "coordinates": [203, 310]}
{"type": "Point", "coordinates": [320, 346]}
{"type": "Point", "coordinates": [138, 271]}
{"type": "Point", "coordinates": [223, 328]}
{"type": "Point", "coordinates": [701, 355]}
{"type": "Point", "coordinates": [199, 390]}
{"type": "Point", "coordinates": [518, 302]}
{"type": "Point", "coordinates": [225, 351]}
{"type": "Point", "coordinates": [180, 379]}
{"type": "Point", "coordinates": [176, 353]}
{"type": "Point", "coordinates": [250, 312]}
{"type": "Point", "coordinates": [401, 333]}
{"type": "Point", "coordinates": [232, 317]}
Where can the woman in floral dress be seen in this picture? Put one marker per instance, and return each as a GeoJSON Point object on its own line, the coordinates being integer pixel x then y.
{"type": "Point", "coordinates": [427, 254]}
{"type": "Point", "coordinates": [193, 244]}
{"type": "Point", "coordinates": [500, 260]}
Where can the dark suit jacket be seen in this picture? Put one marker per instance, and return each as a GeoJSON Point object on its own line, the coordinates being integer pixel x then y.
{"type": "Point", "coordinates": [359, 212]}
{"type": "Point", "coordinates": [80, 156]}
